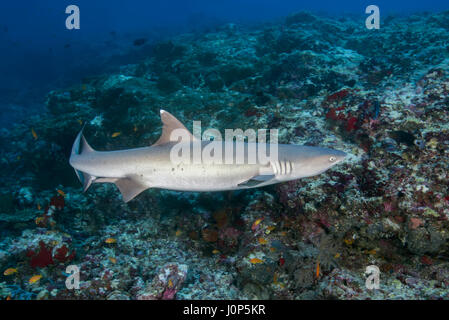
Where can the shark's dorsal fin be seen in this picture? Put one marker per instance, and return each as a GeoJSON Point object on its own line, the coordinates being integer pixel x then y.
{"type": "Point", "coordinates": [170, 123]}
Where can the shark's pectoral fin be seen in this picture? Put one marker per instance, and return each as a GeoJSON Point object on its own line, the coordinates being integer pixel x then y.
{"type": "Point", "coordinates": [256, 180]}
{"type": "Point", "coordinates": [129, 188]}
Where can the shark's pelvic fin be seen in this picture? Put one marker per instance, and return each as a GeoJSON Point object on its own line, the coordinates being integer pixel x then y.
{"type": "Point", "coordinates": [170, 123]}
{"type": "Point", "coordinates": [129, 188]}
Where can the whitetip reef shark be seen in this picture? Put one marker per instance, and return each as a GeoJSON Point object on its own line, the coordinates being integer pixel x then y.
{"type": "Point", "coordinates": [135, 170]}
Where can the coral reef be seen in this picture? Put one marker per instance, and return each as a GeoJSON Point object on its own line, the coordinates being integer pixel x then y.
{"type": "Point", "coordinates": [382, 97]}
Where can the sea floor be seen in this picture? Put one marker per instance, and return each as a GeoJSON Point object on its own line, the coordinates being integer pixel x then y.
{"type": "Point", "coordinates": [379, 95]}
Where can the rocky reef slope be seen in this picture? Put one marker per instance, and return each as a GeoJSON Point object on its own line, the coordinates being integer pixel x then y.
{"type": "Point", "coordinates": [380, 95]}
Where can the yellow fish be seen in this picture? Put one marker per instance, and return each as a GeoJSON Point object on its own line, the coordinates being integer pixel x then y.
{"type": "Point", "coordinates": [135, 128]}
{"type": "Point", "coordinates": [38, 206]}
{"type": "Point", "coordinates": [39, 220]}
{"type": "Point", "coordinates": [34, 134]}
{"type": "Point", "coordinates": [9, 271]}
{"type": "Point", "coordinates": [256, 260]}
{"type": "Point", "coordinates": [256, 223]}
{"type": "Point", "coordinates": [349, 241]}
{"type": "Point", "coordinates": [178, 233]}
{"type": "Point", "coordinates": [116, 134]}
{"type": "Point", "coordinates": [80, 122]}
{"type": "Point", "coordinates": [35, 279]}
{"type": "Point", "coordinates": [263, 241]}
{"type": "Point", "coordinates": [170, 283]}
{"type": "Point", "coordinates": [215, 251]}
{"type": "Point", "coordinates": [113, 260]}
{"type": "Point", "coordinates": [62, 193]}
{"type": "Point", "coordinates": [110, 240]}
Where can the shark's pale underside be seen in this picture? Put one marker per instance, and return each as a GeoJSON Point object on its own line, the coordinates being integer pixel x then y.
{"type": "Point", "coordinates": [135, 170]}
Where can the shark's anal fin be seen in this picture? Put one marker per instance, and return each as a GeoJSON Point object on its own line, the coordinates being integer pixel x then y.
{"type": "Point", "coordinates": [255, 181]}
{"type": "Point", "coordinates": [129, 188]}
{"type": "Point", "coordinates": [170, 124]}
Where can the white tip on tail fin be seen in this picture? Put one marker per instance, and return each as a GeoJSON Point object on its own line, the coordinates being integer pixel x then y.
{"type": "Point", "coordinates": [170, 123]}
{"type": "Point", "coordinates": [80, 146]}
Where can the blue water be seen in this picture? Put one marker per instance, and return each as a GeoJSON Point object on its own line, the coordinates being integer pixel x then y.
{"type": "Point", "coordinates": [38, 54]}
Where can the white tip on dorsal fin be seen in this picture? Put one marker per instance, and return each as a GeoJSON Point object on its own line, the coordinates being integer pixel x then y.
{"type": "Point", "coordinates": [170, 123]}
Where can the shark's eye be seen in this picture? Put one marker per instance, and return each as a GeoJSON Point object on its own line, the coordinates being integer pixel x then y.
{"type": "Point", "coordinates": [332, 159]}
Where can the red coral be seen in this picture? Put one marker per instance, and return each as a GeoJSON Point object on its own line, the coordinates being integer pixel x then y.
{"type": "Point", "coordinates": [351, 124]}
{"type": "Point", "coordinates": [339, 95]}
{"type": "Point", "coordinates": [61, 254]}
{"type": "Point", "coordinates": [41, 259]}
{"type": "Point", "coordinates": [331, 114]}
{"type": "Point", "coordinates": [58, 202]}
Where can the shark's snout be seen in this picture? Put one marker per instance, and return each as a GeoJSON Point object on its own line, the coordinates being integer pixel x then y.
{"type": "Point", "coordinates": [340, 155]}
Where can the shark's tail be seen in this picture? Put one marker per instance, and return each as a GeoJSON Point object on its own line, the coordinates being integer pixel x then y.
{"type": "Point", "coordinates": [80, 146]}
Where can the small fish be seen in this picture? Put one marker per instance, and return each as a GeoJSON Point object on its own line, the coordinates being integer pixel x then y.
{"type": "Point", "coordinates": [349, 241]}
{"type": "Point", "coordinates": [113, 260]}
{"type": "Point", "coordinates": [38, 206]}
{"type": "Point", "coordinates": [215, 251]}
{"type": "Point", "coordinates": [34, 134]}
{"type": "Point", "coordinates": [9, 271]}
{"type": "Point", "coordinates": [317, 273]}
{"type": "Point", "coordinates": [116, 134]}
{"type": "Point", "coordinates": [263, 241]}
{"type": "Point", "coordinates": [39, 220]}
{"type": "Point", "coordinates": [170, 284]}
{"type": "Point", "coordinates": [178, 233]}
{"type": "Point", "coordinates": [8, 298]}
{"type": "Point", "coordinates": [269, 229]}
{"type": "Point", "coordinates": [80, 122]}
{"type": "Point", "coordinates": [256, 260]}
{"type": "Point", "coordinates": [273, 249]}
{"type": "Point", "coordinates": [337, 255]}
{"type": "Point", "coordinates": [110, 240]}
{"type": "Point", "coordinates": [135, 128]}
{"type": "Point", "coordinates": [139, 42]}
{"type": "Point", "coordinates": [256, 224]}
{"type": "Point", "coordinates": [35, 279]}
{"type": "Point", "coordinates": [62, 193]}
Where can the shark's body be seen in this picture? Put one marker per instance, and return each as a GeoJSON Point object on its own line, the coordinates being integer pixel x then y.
{"type": "Point", "coordinates": [136, 170]}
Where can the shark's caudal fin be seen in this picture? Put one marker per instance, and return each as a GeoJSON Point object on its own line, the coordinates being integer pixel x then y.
{"type": "Point", "coordinates": [170, 123]}
{"type": "Point", "coordinates": [80, 146]}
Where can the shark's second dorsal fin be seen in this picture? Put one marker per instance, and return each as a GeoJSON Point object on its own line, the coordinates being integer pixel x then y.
{"type": "Point", "coordinates": [170, 123]}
